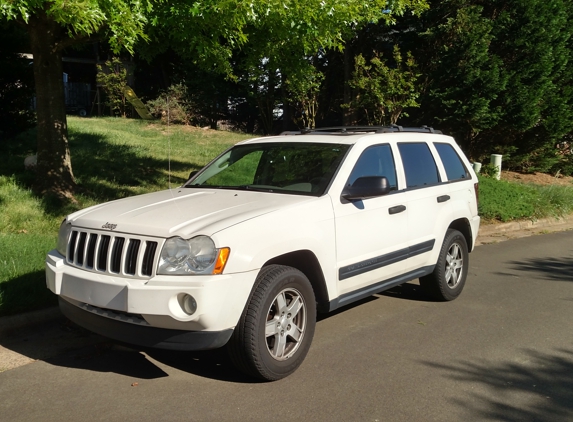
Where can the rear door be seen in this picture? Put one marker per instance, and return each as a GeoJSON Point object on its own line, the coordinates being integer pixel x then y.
{"type": "Point", "coordinates": [429, 202]}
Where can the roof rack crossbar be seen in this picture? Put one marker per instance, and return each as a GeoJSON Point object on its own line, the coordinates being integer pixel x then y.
{"type": "Point", "coordinates": [365, 129]}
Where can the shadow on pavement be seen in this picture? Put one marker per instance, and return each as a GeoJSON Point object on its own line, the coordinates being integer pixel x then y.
{"type": "Point", "coordinates": [63, 343]}
{"type": "Point", "coordinates": [212, 364]}
{"type": "Point", "coordinates": [408, 291]}
{"type": "Point", "coordinates": [109, 357]}
{"type": "Point", "coordinates": [558, 269]}
{"type": "Point", "coordinates": [151, 364]}
{"type": "Point", "coordinates": [43, 341]}
{"type": "Point", "coordinates": [545, 379]}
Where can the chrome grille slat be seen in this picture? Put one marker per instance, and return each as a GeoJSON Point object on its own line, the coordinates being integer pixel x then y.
{"type": "Point", "coordinates": [117, 254]}
{"type": "Point", "coordinates": [81, 249]}
{"type": "Point", "coordinates": [148, 258]}
{"type": "Point", "coordinates": [103, 253]}
{"type": "Point", "coordinates": [107, 253]}
{"type": "Point", "coordinates": [131, 256]}
{"type": "Point", "coordinates": [91, 250]}
{"type": "Point", "coordinates": [72, 246]}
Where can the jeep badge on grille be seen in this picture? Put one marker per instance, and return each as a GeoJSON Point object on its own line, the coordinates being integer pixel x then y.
{"type": "Point", "coordinates": [109, 226]}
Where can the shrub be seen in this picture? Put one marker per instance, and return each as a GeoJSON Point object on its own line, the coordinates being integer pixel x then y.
{"type": "Point", "coordinates": [113, 80]}
{"type": "Point", "coordinates": [172, 105]}
{"type": "Point", "coordinates": [504, 201]}
{"type": "Point", "coordinates": [554, 201]}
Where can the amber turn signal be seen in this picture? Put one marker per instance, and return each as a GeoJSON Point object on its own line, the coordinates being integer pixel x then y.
{"type": "Point", "coordinates": [221, 260]}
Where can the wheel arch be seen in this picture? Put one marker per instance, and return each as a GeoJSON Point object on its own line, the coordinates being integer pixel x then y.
{"type": "Point", "coordinates": [463, 226]}
{"type": "Point", "coordinates": [306, 262]}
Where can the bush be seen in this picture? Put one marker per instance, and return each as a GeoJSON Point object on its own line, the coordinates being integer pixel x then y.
{"type": "Point", "coordinates": [504, 201]}
{"type": "Point", "coordinates": [556, 201]}
{"type": "Point", "coordinates": [113, 79]}
{"type": "Point", "coordinates": [172, 105]}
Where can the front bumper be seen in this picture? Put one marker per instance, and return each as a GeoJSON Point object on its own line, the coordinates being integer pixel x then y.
{"type": "Point", "coordinates": [144, 335]}
{"type": "Point", "coordinates": [220, 298]}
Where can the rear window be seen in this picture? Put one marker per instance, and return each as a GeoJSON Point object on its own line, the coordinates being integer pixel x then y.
{"type": "Point", "coordinates": [419, 165]}
{"type": "Point", "coordinates": [453, 164]}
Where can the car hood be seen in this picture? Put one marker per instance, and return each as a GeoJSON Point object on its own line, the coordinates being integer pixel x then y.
{"type": "Point", "coordinates": [183, 211]}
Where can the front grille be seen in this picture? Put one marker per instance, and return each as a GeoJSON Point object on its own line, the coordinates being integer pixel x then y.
{"type": "Point", "coordinates": [112, 254]}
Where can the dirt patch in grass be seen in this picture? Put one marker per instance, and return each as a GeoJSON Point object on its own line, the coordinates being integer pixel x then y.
{"type": "Point", "coordinates": [536, 178]}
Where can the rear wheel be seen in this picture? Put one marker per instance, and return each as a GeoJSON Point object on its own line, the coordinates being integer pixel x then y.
{"type": "Point", "coordinates": [277, 326]}
{"type": "Point", "coordinates": [449, 277]}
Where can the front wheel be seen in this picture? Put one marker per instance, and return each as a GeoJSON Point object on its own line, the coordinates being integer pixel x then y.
{"type": "Point", "coordinates": [277, 326]}
{"type": "Point", "coordinates": [449, 276]}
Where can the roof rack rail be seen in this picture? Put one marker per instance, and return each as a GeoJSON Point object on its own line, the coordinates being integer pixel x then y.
{"type": "Point", "coordinates": [365, 129]}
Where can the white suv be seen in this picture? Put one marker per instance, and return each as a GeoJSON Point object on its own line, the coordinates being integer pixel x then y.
{"type": "Point", "coordinates": [272, 230]}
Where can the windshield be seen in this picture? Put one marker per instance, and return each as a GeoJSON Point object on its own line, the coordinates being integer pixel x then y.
{"type": "Point", "coordinates": [299, 168]}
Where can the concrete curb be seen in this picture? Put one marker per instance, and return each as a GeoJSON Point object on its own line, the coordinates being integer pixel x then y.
{"type": "Point", "coordinates": [498, 232]}
{"type": "Point", "coordinates": [488, 229]}
{"type": "Point", "coordinates": [489, 233]}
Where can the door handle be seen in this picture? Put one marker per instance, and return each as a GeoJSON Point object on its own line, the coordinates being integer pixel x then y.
{"type": "Point", "coordinates": [397, 209]}
{"type": "Point", "coordinates": [443, 198]}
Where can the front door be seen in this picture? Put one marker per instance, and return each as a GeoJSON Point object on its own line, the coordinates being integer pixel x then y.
{"type": "Point", "coordinates": [371, 234]}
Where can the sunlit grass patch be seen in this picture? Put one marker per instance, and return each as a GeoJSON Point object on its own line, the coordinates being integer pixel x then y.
{"type": "Point", "coordinates": [22, 212]}
{"type": "Point", "coordinates": [22, 274]}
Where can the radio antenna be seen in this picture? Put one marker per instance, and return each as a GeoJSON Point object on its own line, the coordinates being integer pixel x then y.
{"type": "Point", "coordinates": [169, 143]}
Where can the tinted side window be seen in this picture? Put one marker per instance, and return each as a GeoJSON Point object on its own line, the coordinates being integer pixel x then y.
{"type": "Point", "coordinates": [375, 161]}
{"type": "Point", "coordinates": [419, 165]}
{"type": "Point", "coordinates": [455, 168]}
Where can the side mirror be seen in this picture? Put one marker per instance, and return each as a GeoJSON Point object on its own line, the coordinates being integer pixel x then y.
{"type": "Point", "coordinates": [192, 174]}
{"type": "Point", "coordinates": [366, 187]}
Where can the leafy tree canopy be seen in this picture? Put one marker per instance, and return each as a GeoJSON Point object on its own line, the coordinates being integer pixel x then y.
{"type": "Point", "coordinates": [123, 21]}
{"type": "Point", "coordinates": [211, 31]}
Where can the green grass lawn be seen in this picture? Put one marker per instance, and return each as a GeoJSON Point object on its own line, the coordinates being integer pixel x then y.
{"type": "Point", "coordinates": [114, 158]}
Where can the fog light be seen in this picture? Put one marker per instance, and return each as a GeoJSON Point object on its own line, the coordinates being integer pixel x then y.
{"type": "Point", "coordinates": [188, 304]}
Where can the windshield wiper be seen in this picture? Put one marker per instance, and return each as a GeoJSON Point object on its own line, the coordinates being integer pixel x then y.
{"type": "Point", "coordinates": [239, 187]}
{"type": "Point", "coordinates": [251, 187]}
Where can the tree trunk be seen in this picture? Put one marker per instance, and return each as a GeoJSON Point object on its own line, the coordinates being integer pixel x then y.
{"type": "Point", "coordinates": [54, 168]}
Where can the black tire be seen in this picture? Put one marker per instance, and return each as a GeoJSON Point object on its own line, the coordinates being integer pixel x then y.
{"type": "Point", "coordinates": [271, 351]}
{"type": "Point", "coordinates": [449, 277]}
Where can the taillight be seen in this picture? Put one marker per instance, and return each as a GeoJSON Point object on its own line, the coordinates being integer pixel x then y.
{"type": "Point", "coordinates": [476, 190]}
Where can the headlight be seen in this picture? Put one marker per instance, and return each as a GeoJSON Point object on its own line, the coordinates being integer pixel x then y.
{"type": "Point", "coordinates": [194, 256]}
{"type": "Point", "coordinates": [63, 236]}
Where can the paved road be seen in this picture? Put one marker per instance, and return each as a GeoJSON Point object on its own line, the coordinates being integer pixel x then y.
{"type": "Point", "coordinates": [502, 351]}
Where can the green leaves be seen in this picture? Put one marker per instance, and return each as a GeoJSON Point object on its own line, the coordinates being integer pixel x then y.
{"type": "Point", "coordinates": [113, 80]}
{"type": "Point", "coordinates": [210, 32]}
{"type": "Point", "coordinates": [122, 21]}
{"type": "Point", "coordinates": [497, 75]}
{"type": "Point", "coordinates": [304, 86]}
{"type": "Point", "coordinates": [382, 91]}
